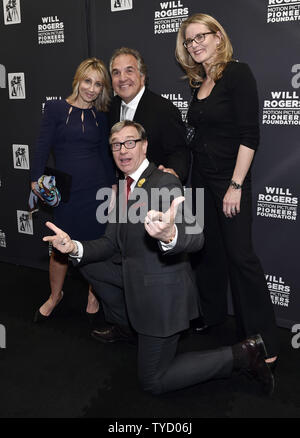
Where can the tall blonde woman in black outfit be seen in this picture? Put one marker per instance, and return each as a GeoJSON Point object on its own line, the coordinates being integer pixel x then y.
{"type": "Point", "coordinates": [224, 112]}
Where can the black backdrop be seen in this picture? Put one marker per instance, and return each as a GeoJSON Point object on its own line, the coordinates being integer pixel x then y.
{"type": "Point", "coordinates": [43, 42]}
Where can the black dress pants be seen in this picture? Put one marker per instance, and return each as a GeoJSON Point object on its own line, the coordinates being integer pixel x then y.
{"type": "Point", "coordinates": [159, 368]}
{"type": "Point", "coordinates": [106, 279]}
{"type": "Point", "coordinates": [228, 254]}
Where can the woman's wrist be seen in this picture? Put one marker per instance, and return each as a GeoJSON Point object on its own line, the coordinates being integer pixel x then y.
{"type": "Point", "coordinates": [236, 185]}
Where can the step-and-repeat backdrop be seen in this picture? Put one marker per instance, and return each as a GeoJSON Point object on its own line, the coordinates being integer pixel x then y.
{"type": "Point", "coordinates": [43, 42]}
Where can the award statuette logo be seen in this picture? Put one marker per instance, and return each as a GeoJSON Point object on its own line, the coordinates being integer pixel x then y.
{"type": "Point", "coordinates": [25, 225]}
{"type": "Point", "coordinates": [121, 5]}
{"type": "Point", "coordinates": [16, 85]}
{"type": "Point", "coordinates": [2, 239]}
{"type": "Point", "coordinates": [20, 156]}
{"type": "Point", "coordinates": [12, 11]}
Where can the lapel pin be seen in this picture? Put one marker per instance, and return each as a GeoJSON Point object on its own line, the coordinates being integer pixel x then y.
{"type": "Point", "coordinates": [141, 182]}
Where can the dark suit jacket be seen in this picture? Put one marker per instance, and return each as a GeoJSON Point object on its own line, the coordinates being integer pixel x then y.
{"type": "Point", "coordinates": [165, 131]}
{"type": "Point", "coordinates": [160, 292]}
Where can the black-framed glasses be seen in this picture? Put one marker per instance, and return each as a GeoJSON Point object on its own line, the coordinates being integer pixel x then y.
{"type": "Point", "coordinates": [199, 38]}
{"type": "Point", "coordinates": [128, 144]}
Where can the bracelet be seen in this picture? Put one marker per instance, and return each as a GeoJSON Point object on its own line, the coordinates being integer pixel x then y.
{"type": "Point", "coordinates": [235, 185]}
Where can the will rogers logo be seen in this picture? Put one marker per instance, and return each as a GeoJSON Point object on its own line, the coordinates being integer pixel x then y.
{"type": "Point", "coordinates": [277, 203]}
{"type": "Point", "coordinates": [283, 10]}
{"type": "Point", "coordinates": [170, 16]}
{"type": "Point", "coordinates": [282, 107]}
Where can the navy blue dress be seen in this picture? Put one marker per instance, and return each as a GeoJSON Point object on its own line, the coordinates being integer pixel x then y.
{"type": "Point", "coordinates": [79, 140]}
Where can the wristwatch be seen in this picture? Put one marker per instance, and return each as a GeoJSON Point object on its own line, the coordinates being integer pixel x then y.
{"type": "Point", "coordinates": [235, 185]}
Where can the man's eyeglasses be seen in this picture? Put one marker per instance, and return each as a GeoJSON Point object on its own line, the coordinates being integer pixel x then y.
{"type": "Point", "coordinates": [128, 144]}
{"type": "Point", "coordinates": [199, 38]}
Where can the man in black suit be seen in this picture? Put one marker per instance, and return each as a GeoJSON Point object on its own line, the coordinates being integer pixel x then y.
{"type": "Point", "coordinates": [140, 272]}
{"type": "Point", "coordinates": [161, 119]}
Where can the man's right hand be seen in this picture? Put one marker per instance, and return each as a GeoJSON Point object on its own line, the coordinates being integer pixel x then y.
{"type": "Point", "coordinates": [167, 170]}
{"type": "Point", "coordinates": [61, 240]}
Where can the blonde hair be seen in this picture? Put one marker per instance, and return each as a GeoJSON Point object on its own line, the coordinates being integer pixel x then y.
{"type": "Point", "coordinates": [95, 64]}
{"type": "Point", "coordinates": [124, 124]}
{"type": "Point", "coordinates": [195, 72]}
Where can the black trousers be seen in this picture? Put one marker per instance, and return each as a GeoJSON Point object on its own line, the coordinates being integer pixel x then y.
{"type": "Point", "coordinates": [228, 254]}
{"type": "Point", "coordinates": [159, 368]}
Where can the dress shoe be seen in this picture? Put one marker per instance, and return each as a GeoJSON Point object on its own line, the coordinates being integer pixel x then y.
{"type": "Point", "coordinates": [272, 365]}
{"type": "Point", "coordinates": [252, 353]}
{"type": "Point", "coordinates": [198, 326]}
{"type": "Point", "coordinates": [111, 334]}
{"type": "Point", "coordinates": [39, 317]}
{"type": "Point", "coordinates": [202, 330]}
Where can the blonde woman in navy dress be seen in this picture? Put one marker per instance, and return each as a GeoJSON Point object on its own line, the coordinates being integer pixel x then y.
{"type": "Point", "coordinates": [76, 130]}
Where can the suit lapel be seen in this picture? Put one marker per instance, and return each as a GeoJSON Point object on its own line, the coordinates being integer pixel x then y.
{"type": "Point", "coordinates": [114, 112]}
{"type": "Point", "coordinates": [140, 112]}
{"type": "Point", "coordinates": [143, 179]}
{"type": "Point", "coordinates": [139, 115]}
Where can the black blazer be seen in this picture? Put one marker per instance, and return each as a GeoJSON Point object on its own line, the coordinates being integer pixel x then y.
{"type": "Point", "coordinates": [160, 292]}
{"type": "Point", "coordinates": [227, 118]}
{"type": "Point", "coordinates": [165, 131]}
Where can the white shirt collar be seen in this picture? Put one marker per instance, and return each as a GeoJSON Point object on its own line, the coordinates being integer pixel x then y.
{"type": "Point", "coordinates": [135, 101]}
{"type": "Point", "coordinates": [136, 175]}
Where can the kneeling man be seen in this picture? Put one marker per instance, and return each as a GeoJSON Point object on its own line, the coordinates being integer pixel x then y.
{"type": "Point", "coordinates": [140, 271]}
